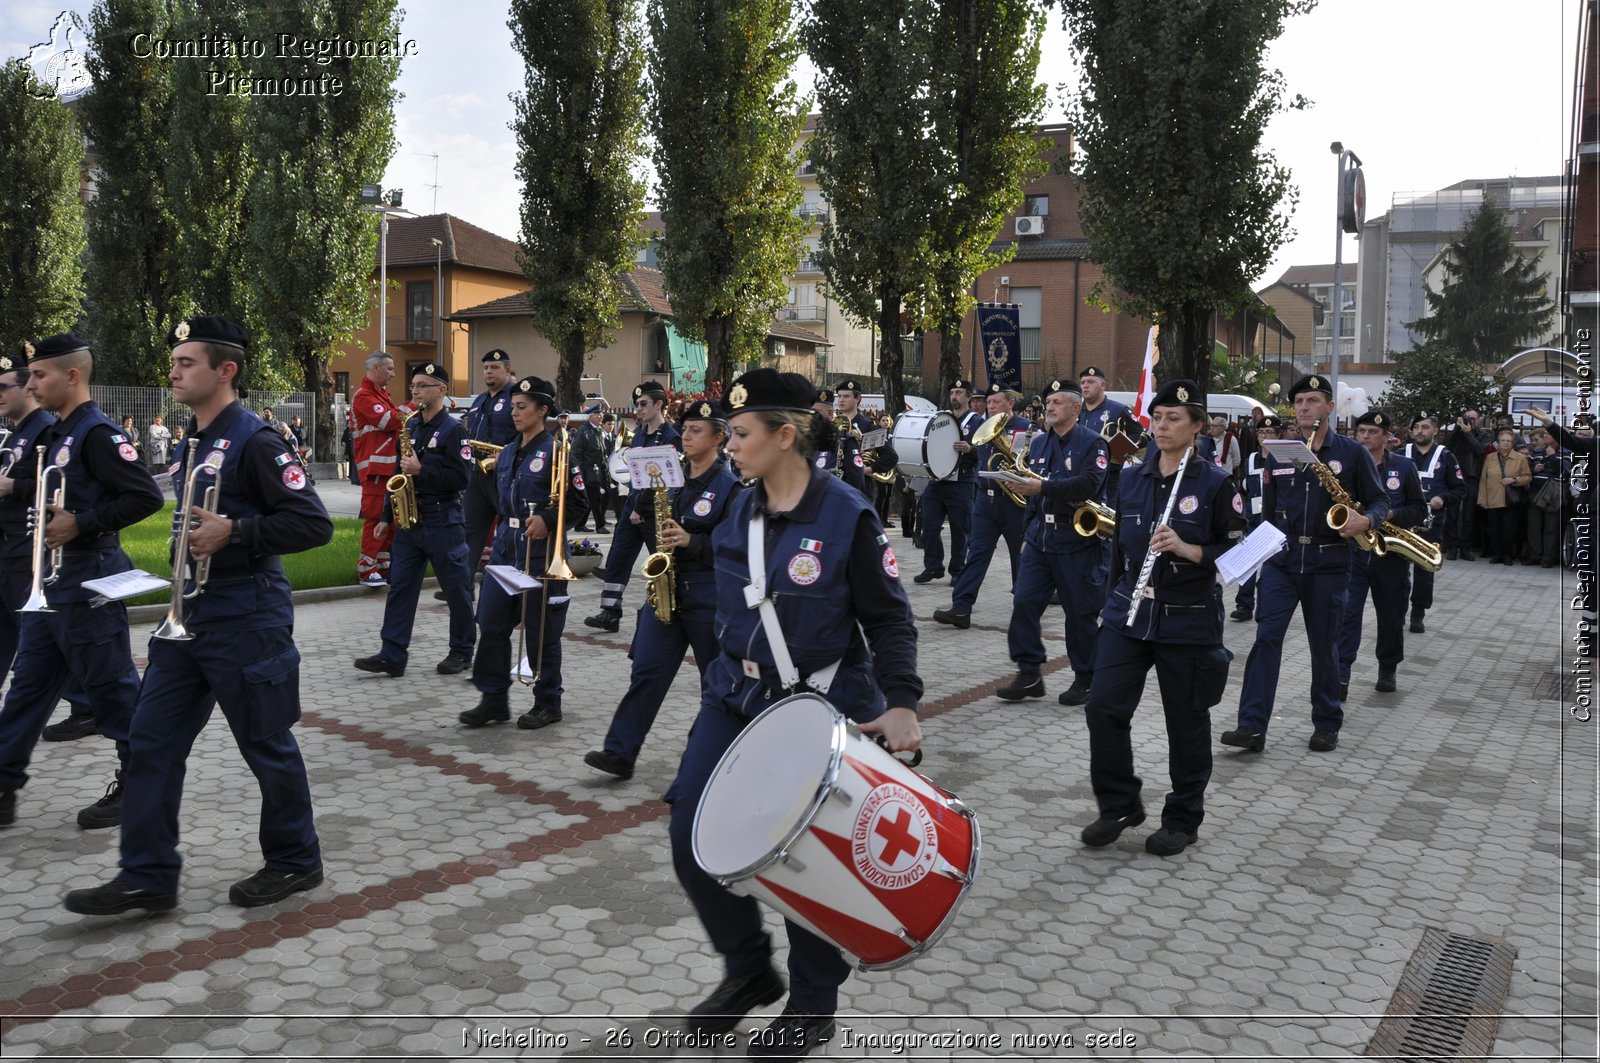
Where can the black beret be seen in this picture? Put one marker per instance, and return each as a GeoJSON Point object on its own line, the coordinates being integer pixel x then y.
{"type": "Point", "coordinates": [1423, 416]}
{"type": "Point", "coordinates": [998, 389]}
{"type": "Point", "coordinates": [1272, 421]}
{"type": "Point", "coordinates": [535, 388]}
{"type": "Point", "coordinates": [961, 385]}
{"type": "Point", "coordinates": [1311, 383]}
{"type": "Point", "coordinates": [652, 388]}
{"type": "Point", "coordinates": [434, 370]}
{"type": "Point", "coordinates": [702, 410]}
{"type": "Point", "coordinates": [1177, 393]}
{"type": "Point", "coordinates": [850, 385]}
{"type": "Point", "coordinates": [496, 355]}
{"type": "Point", "coordinates": [824, 395]}
{"type": "Point", "coordinates": [1069, 387]}
{"type": "Point", "coordinates": [209, 328]}
{"type": "Point", "coordinates": [768, 389]}
{"type": "Point", "coordinates": [1094, 371]}
{"type": "Point", "coordinates": [55, 346]}
{"type": "Point", "coordinates": [1376, 418]}
{"type": "Point", "coordinates": [10, 362]}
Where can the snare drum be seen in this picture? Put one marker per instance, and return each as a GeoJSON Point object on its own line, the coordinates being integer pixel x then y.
{"type": "Point", "coordinates": [807, 814]}
{"type": "Point", "coordinates": [926, 444]}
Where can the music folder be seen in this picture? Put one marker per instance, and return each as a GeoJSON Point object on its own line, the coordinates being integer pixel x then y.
{"type": "Point", "coordinates": [512, 579]}
{"type": "Point", "coordinates": [125, 585]}
{"type": "Point", "coordinates": [1245, 560]}
{"type": "Point", "coordinates": [1294, 451]}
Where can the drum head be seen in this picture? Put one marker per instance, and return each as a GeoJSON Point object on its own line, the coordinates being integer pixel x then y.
{"type": "Point", "coordinates": [765, 789]}
{"type": "Point", "coordinates": [943, 435]}
{"type": "Point", "coordinates": [621, 475]}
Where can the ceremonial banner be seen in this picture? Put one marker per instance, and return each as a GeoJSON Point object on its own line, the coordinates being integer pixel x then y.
{"type": "Point", "coordinates": [1000, 335]}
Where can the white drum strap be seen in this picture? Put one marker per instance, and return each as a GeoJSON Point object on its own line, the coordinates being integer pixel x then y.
{"type": "Point", "coordinates": [755, 597]}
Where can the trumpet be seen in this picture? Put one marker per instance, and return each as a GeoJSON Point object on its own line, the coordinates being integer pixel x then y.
{"type": "Point", "coordinates": [43, 498]}
{"type": "Point", "coordinates": [1004, 458]}
{"type": "Point", "coordinates": [172, 627]}
{"type": "Point", "coordinates": [1094, 518]}
{"type": "Point", "coordinates": [485, 464]}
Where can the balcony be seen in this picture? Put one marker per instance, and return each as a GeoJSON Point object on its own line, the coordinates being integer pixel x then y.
{"type": "Point", "coordinates": [811, 212]}
{"type": "Point", "coordinates": [808, 265]}
{"type": "Point", "coordinates": [802, 312]}
{"type": "Point", "coordinates": [807, 168]}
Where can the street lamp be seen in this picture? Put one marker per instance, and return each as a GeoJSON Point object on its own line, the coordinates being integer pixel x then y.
{"type": "Point", "coordinates": [438, 298]}
{"type": "Point", "coordinates": [1351, 213]}
{"type": "Point", "coordinates": [377, 201]}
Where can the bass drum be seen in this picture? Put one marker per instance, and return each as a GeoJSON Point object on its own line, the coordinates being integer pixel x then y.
{"type": "Point", "coordinates": [619, 470]}
{"type": "Point", "coordinates": [926, 444]}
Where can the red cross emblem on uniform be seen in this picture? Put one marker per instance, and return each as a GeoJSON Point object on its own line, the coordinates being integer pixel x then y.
{"type": "Point", "coordinates": [294, 478]}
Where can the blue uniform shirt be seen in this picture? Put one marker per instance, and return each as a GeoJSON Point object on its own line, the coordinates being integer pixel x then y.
{"type": "Point", "coordinates": [1109, 410]}
{"type": "Point", "coordinates": [1254, 472]}
{"type": "Point", "coordinates": [1294, 500]}
{"type": "Point", "coordinates": [15, 542]}
{"type": "Point", "coordinates": [441, 446]}
{"type": "Point", "coordinates": [1407, 507]}
{"type": "Point", "coordinates": [524, 489]}
{"type": "Point", "coordinates": [698, 507]}
{"type": "Point", "coordinates": [489, 419]}
{"type": "Point", "coordinates": [1438, 471]}
{"type": "Point", "coordinates": [967, 464]}
{"type": "Point", "coordinates": [1074, 467]}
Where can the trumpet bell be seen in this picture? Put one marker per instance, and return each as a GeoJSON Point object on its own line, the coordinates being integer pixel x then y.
{"type": "Point", "coordinates": [172, 630]}
{"type": "Point", "coordinates": [36, 604]}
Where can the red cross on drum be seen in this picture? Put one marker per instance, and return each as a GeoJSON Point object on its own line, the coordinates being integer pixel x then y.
{"type": "Point", "coordinates": [808, 815]}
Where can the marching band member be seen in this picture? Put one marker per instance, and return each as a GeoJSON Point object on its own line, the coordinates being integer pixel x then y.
{"type": "Point", "coordinates": [1098, 411]}
{"type": "Point", "coordinates": [636, 525]}
{"type": "Point", "coordinates": [951, 498]}
{"type": "Point", "coordinates": [1244, 602]}
{"type": "Point", "coordinates": [832, 576]}
{"type": "Point", "coordinates": [658, 647]}
{"type": "Point", "coordinates": [1071, 461]}
{"type": "Point", "coordinates": [849, 399]}
{"type": "Point", "coordinates": [1177, 626]}
{"type": "Point", "coordinates": [590, 457]}
{"type": "Point", "coordinates": [440, 464]}
{"type": "Point", "coordinates": [107, 488]}
{"type": "Point", "coordinates": [378, 422]}
{"type": "Point", "coordinates": [1388, 576]}
{"type": "Point", "coordinates": [839, 452]}
{"type": "Point", "coordinates": [994, 516]}
{"type": "Point", "coordinates": [1443, 486]}
{"type": "Point", "coordinates": [527, 506]}
{"type": "Point", "coordinates": [242, 654]}
{"type": "Point", "coordinates": [488, 421]}
{"type": "Point", "coordinates": [1312, 571]}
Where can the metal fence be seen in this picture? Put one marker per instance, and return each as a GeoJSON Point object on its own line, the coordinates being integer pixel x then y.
{"type": "Point", "coordinates": [144, 404]}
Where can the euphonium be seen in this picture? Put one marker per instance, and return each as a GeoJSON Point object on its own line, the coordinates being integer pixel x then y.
{"type": "Point", "coordinates": [1094, 518]}
{"type": "Point", "coordinates": [661, 586]}
{"type": "Point", "coordinates": [39, 516]}
{"type": "Point", "coordinates": [485, 464]}
{"type": "Point", "coordinates": [1004, 458]}
{"type": "Point", "coordinates": [172, 628]}
{"type": "Point", "coordinates": [402, 488]}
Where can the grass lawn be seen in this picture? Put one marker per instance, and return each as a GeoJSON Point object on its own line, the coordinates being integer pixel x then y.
{"type": "Point", "coordinates": [333, 565]}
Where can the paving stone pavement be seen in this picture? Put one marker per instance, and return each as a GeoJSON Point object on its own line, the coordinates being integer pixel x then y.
{"type": "Point", "coordinates": [488, 895]}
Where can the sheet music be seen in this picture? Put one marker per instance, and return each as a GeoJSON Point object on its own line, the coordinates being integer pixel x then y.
{"type": "Point", "coordinates": [512, 579]}
{"type": "Point", "coordinates": [125, 585]}
{"type": "Point", "coordinates": [1245, 560]}
{"type": "Point", "coordinates": [655, 467]}
{"type": "Point", "coordinates": [1290, 450]}
{"type": "Point", "coordinates": [874, 439]}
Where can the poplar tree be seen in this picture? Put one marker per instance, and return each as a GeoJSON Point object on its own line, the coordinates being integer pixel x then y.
{"type": "Point", "coordinates": [579, 124]}
{"type": "Point", "coordinates": [725, 117]}
{"type": "Point", "coordinates": [41, 218]}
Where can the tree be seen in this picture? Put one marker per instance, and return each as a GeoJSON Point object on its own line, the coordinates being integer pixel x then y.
{"type": "Point", "coordinates": [877, 161]}
{"type": "Point", "coordinates": [1181, 204]}
{"type": "Point", "coordinates": [41, 219]}
{"type": "Point", "coordinates": [1492, 299]}
{"type": "Point", "coordinates": [133, 289]}
{"type": "Point", "coordinates": [1439, 379]}
{"type": "Point", "coordinates": [985, 103]}
{"type": "Point", "coordinates": [310, 245]}
{"type": "Point", "coordinates": [725, 118]}
{"type": "Point", "coordinates": [579, 123]}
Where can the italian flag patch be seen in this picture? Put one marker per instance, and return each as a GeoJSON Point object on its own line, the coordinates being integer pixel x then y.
{"type": "Point", "coordinates": [814, 545]}
{"type": "Point", "coordinates": [883, 540]}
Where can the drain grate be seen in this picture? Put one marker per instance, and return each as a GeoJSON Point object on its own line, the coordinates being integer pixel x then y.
{"type": "Point", "coordinates": [1447, 1005]}
{"type": "Point", "coordinates": [1556, 686]}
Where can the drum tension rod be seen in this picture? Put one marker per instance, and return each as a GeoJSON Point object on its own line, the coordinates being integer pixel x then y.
{"type": "Point", "coordinates": [788, 860]}
{"type": "Point", "coordinates": [843, 795]}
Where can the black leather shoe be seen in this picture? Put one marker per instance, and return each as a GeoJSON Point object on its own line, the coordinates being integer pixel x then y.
{"type": "Point", "coordinates": [792, 1035]}
{"type": "Point", "coordinates": [538, 717]}
{"type": "Point", "coordinates": [106, 812]}
{"type": "Point", "coordinates": [1323, 741]}
{"type": "Point", "coordinates": [1385, 683]}
{"type": "Point", "coordinates": [927, 576]}
{"type": "Point", "coordinates": [491, 709]}
{"type": "Point", "coordinates": [1417, 626]}
{"type": "Point", "coordinates": [440, 596]}
{"type": "Point", "coordinates": [381, 665]}
{"type": "Point", "coordinates": [1025, 685]}
{"type": "Point", "coordinates": [732, 1000]}
{"type": "Point", "coordinates": [1243, 612]}
{"type": "Point", "coordinates": [608, 762]}
{"type": "Point", "coordinates": [114, 898]}
{"type": "Point", "coordinates": [1169, 842]}
{"type": "Point", "coordinates": [71, 729]}
{"type": "Point", "coordinates": [454, 664]}
{"type": "Point", "coordinates": [1254, 741]}
{"type": "Point", "coordinates": [1077, 693]}
{"type": "Point", "coordinates": [267, 886]}
{"type": "Point", "coordinates": [1108, 829]}
{"type": "Point", "coordinates": [8, 807]}
{"type": "Point", "coordinates": [953, 618]}
{"type": "Point", "coordinates": [603, 620]}
{"type": "Point", "coordinates": [1452, 555]}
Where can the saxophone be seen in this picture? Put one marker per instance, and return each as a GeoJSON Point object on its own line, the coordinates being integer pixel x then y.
{"type": "Point", "coordinates": [1343, 506]}
{"type": "Point", "coordinates": [661, 586]}
{"type": "Point", "coordinates": [402, 488]}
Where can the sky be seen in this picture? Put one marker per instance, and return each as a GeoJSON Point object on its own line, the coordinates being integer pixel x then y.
{"type": "Point", "coordinates": [1426, 92]}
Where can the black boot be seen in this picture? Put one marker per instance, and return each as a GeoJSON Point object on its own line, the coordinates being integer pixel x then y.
{"type": "Point", "coordinates": [733, 999]}
{"type": "Point", "coordinates": [493, 708]}
{"type": "Point", "coordinates": [1025, 685]}
{"type": "Point", "coordinates": [106, 812]}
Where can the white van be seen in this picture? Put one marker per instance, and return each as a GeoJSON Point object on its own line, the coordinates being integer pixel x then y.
{"type": "Point", "coordinates": [1235, 407]}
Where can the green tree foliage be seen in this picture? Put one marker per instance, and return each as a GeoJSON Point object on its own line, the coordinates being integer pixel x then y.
{"type": "Point", "coordinates": [1492, 300]}
{"type": "Point", "coordinates": [1182, 205]}
{"type": "Point", "coordinates": [878, 161]}
{"type": "Point", "coordinates": [310, 246]}
{"type": "Point", "coordinates": [579, 122]}
{"type": "Point", "coordinates": [1439, 379]}
{"type": "Point", "coordinates": [725, 116]}
{"type": "Point", "coordinates": [41, 219]}
{"type": "Point", "coordinates": [1241, 376]}
{"type": "Point", "coordinates": [985, 104]}
{"type": "Point", "coordinates": [133, 289]}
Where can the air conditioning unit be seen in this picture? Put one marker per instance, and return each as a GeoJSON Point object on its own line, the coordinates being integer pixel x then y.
{"type": "Point", "coordinates": [1029, 225]}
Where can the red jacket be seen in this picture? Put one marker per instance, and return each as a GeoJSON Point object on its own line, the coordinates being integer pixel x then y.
{"type": "Point", "coordinates": [375, 422]}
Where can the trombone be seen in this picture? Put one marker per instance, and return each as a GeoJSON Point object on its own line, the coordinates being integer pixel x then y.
{"type": "Point", "coordinates": [172, 627]}
{"type": "Point", "coordinates": [1004, 458]}
{"type": "Point", "coordinates": [38, 516]}
{"type": "Point", "coordinates": [555, 565]}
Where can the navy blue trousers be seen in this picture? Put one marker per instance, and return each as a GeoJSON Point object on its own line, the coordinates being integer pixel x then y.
{"type": "Point", "coordinates": [1320, 596]}
{"type": "Point", "coordinates": [626, 542]}
{"type": "Point", "coordinates": [445, 546]}
{"type": "Point", "coordinates": [992, 520]}
{"type": "Point", "coordinates": [255, 677]}
{"type": "Point", "coordinates": [1389, 580]}
{"type": "Point", "coordinates": [16, 579]}
{"type": "Point", "coordinates": [1080, 577]}
{"type": "Point", "coordinates": [657, 653]}
{"type": "Point", "coordinates": [498, 615]}
{"type": "Point", "coordinates": [941, 499]}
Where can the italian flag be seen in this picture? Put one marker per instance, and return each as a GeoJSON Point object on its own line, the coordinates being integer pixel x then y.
{"type": "Point", "coordinates": [814, 545]}
{"type": "Point", "coordinates": [1147, 378]}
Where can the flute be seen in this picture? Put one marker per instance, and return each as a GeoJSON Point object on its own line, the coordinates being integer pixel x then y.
{"type": "Point", "coordinates": [1149, 566]}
